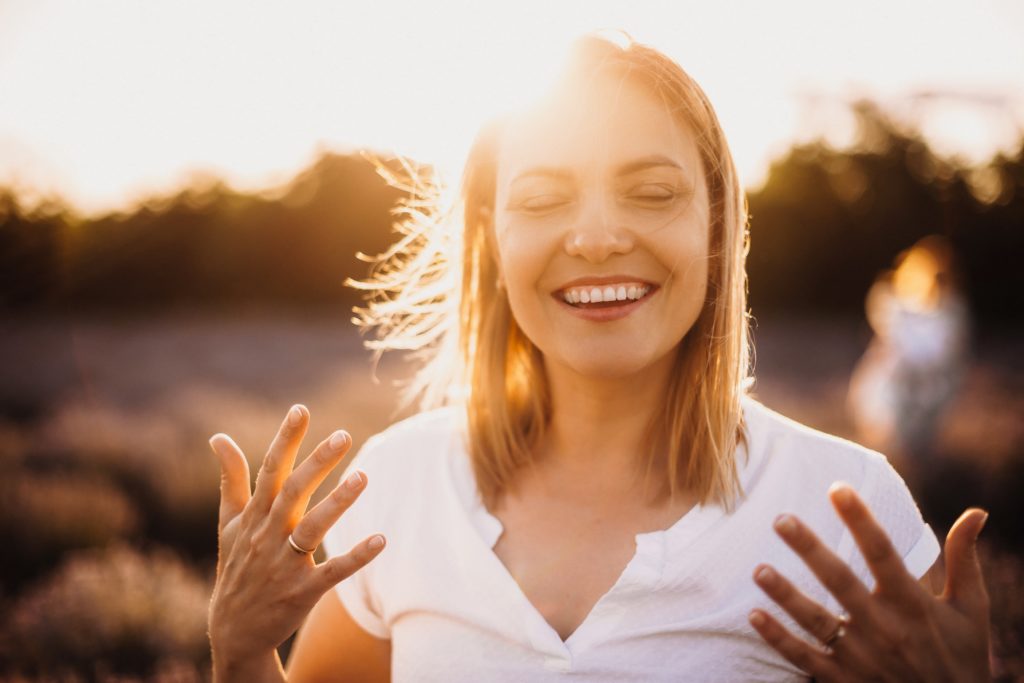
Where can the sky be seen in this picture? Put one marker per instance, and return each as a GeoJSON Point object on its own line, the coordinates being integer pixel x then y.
{"type": "Point", "coordinates": [107, 101]}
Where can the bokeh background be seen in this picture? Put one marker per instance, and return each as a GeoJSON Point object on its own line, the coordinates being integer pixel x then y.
{"type": "Point", "coordinates": [184, 188]}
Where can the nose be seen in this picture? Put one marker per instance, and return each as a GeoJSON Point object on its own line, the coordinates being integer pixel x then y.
{"type": "Point", "coordinates": [597, 233]}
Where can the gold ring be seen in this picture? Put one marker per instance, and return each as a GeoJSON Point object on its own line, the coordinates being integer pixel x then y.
{"type": "Point", "coordinates": [838, 633]}
{"type": "Point", "coordinates": [298, 548]}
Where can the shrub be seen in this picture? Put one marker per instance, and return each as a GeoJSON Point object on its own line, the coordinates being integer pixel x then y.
{"type": "Point", "coordinates": [166, 468]}
{"type": "Point", "coordinates": [45, 516]}
{"type": "Point", "coordinates": [1004, 578]}
{"type": "Point", "coordinates": [114, 611]}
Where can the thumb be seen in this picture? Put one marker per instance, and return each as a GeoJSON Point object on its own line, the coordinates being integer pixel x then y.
{"type": "Point", "coordinates": [965, 584]}
{"type": "Point", "coordinates": [234, 477]}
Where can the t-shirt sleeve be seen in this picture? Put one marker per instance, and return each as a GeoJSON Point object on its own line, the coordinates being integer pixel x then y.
{"type": "Point", "coordinates": [889, 499]}
{"type": "Point", "coordinates": [362, 519]}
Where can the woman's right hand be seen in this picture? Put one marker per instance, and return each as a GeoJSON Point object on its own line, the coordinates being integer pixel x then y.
{"type": "Point", "coordinates": [264, 586]}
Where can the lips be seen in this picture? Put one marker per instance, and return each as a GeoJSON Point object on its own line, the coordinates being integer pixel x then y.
{"type": "Point", "coordinates": [605, 298]}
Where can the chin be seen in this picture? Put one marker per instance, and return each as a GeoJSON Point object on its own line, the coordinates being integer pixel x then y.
{"type": "Point", "coordinates": [612, 365]}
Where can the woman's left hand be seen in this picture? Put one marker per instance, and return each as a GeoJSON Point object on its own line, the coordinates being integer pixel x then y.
{"type": "Point", "coordinates": [899, 631]}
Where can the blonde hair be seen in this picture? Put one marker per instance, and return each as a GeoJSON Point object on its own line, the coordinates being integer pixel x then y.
{"type": "Point", "coordinates": [448, 307]}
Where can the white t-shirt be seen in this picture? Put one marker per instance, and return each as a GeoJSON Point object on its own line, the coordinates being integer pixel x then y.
{"type": "Point", "coordinates": [677, 612]}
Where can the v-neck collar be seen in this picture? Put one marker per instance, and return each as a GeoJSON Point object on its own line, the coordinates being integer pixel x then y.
{"type": "Point", "coordinates": [643, 573]}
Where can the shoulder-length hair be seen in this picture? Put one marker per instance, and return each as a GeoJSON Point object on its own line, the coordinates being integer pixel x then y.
{"type": "Point", "coordinates": [436, 293]}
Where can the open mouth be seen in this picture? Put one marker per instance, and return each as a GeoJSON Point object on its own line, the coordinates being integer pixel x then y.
{"type": "Point", "coordinates": [605, 296]}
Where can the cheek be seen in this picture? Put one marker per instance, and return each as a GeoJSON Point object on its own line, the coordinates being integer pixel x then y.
{"type": "Point", "coordinates": [685, 256]}
{"type": "Point", "coordinates": [518, 268]}
{"type": "Point", "coordinates": [697, 268]}
{"type": "Point", "coordinates": [522, 257]}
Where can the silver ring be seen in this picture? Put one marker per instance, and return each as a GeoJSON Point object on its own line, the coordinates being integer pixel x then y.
{"type": "Point", "coordinates": [298, 548]}
{"type": "Point", "coordinates": [838, 633]}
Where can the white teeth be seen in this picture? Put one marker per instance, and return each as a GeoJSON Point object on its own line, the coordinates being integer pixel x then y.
{"type": "Point", "coordinates": [594, 295]}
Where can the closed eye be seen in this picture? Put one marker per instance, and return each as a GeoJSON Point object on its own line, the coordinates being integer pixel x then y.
{"type": "Point", "coordinates": [653, 194]}
{"type": "Point", "coordinates": [541, 204]}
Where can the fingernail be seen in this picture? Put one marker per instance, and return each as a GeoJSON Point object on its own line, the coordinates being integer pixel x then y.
{"type": "Point", "coordinates": [376, 542]}
{"type": "Point", "coordinates": [842, 494]}
{"type": "Point", "coordinates": [756, 618]}
{"type": "Point", "coordinates": [354, 480]}
{"type": "Point", "coordinates": [214, 440]}
{"type": "Point", "coordinates": [295, 416]}
{"type": "Point", "coordinates": [338, 440]}
{"type": "Point", "coordinates": [765, 575]}
{"type": "Point", "coordinates": [785, 525]}
{"type": "Point", "coordinates": [982, 525]}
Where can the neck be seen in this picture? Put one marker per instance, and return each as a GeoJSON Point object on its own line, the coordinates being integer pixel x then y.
{"type": "Point", "coordinates": [600, 425]}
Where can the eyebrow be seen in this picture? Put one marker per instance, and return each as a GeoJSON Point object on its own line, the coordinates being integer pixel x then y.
{"type": "Point", "coordinates": [642, 164]}
{"type": "Point", "coordinates": [653, 161]}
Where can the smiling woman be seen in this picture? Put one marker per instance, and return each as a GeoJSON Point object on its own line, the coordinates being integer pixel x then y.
{"type": "Point", "coordinates": [589, 491]}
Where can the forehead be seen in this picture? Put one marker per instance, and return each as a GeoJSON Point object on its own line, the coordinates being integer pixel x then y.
{"type": "Point", "coordinates": [591, 127]}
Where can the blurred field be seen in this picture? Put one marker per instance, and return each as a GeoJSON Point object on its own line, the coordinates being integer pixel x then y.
{"type": "Point", "coordinates": [109, 491]}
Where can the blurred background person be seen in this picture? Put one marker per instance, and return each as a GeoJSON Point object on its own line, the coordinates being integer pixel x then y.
{"type": "Point", "coordinates": [913, 365]}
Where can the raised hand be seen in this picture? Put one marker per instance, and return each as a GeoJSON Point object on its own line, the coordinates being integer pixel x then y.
{"type": "Point", "coordinates": [267, 580]}
{"type": "Point", "coordinates": [899, 631]}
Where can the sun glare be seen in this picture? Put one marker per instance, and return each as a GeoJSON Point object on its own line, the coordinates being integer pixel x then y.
{"type": "Point", "coordinates": [109, 102]}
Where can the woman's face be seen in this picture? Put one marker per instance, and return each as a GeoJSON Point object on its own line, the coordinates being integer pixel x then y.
{"type": "Point", "coordinates": [602, 229]}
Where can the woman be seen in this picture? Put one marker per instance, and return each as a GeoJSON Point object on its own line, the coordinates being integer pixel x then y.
{"type": "Point", "coordinates": [598, 498]}
{"type": "Point", "coordinates": [912, 368]}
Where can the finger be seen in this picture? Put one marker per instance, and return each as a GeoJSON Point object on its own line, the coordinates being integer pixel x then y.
{"type": "Point", "coordinates": [337, 569]}
{"type": "Point", "coordinates": [882, 559]}
{"type": "Point", "coordinates": [799, 653]}
{"type": "Point", "coordinates": [833, 573]}
{"type": "Point", "coordinates": [965, 583]}
{"type": "Point", "coordinates": [297, 489]}
{"type": "Point", "coordinates": [234, 478]}
{"type": "Point", "coordinates": [310, 532]}
{"type": "Point", "coordinates": [280, 457]}
{"type": "Point", "coordinates": [811, 616]}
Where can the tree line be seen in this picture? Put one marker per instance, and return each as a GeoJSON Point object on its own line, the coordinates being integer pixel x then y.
{"type": "Point", "coordinates": [823, 225]}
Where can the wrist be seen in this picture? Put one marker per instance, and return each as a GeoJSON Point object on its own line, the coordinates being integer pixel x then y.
{"type": "Point", "coordinates": [229, 666]}
{"type": "Point", "coordinates": [230, 646]}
